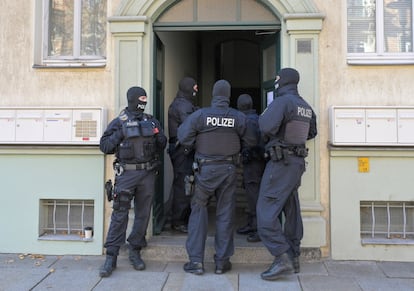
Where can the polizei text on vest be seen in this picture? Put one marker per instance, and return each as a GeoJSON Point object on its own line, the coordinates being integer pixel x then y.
{"type": "Point", "coordinates": [220, 121]}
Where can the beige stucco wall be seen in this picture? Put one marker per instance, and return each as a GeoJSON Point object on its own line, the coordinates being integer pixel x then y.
{"type": "Point", "coordinates": [343, 84]}
{"type": "Point", "coordinates": [339, 83]}
{"type": "Point", "coordinates": [22, 85]}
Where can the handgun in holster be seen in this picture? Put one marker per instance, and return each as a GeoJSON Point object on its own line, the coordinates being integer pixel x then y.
{"type": "Point", "coordinates": [275, 154]}
{"type": "Point", "coordinates": [285, 153]}
{"type": "Point", "coordinates": [109, 190]}
{"type": "Point", "coordinates": [278, 153]}
{"type": "Point", "coordinates": [189, 180]}
{"type": "Point", "coordinates": [189, 184]}
{"type": "Point", "coordinates": [195, 167]}
{"type": "Point", "coordinates": [302, 152]}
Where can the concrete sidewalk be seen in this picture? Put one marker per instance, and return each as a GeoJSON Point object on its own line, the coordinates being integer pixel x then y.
{"type": "Point", "coordinates": [36, 272]}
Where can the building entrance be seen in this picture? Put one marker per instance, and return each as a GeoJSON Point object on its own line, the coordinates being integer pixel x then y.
{"type": "Point", "coordinates": [157, 42]}
{"type": "Point", "coordinates": [239, 56]}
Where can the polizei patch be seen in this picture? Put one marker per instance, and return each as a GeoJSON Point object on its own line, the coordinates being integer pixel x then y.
{"type": "Point", "coordinates": [304, 112]}
{"type": "Point", "coordinates": [132, 123]}
{"type": "Point", "coordinates": [220, 121]}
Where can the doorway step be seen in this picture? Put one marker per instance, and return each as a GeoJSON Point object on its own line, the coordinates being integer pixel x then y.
{"type": "Point", "coordinates": [172, 249]}
{"type": "Point", "coordinates": [170, 245]}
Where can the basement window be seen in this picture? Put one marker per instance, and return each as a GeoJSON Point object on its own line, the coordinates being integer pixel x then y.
{"type": "Point", "coordinates": [387, 222]}
{"type": "Point", "coordinates": [62, 219]}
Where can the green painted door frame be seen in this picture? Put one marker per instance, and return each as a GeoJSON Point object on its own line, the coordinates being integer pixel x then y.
{"type": "Point", "coordinates": [270, 58]}
{"type": "Point", "coordinates": [158, 204]}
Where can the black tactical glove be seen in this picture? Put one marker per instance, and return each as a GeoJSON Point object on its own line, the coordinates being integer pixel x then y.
{"type": "Point", "coordinates": [171, 149]}
{"type": "Point", "coordinates": [188, 150]}
{"type": "Point", "coordinates": [155, 166]}
{"type": "Point", "coordinates": [246, 156]}
{"type": "Point", "coordinates": [117, 137]}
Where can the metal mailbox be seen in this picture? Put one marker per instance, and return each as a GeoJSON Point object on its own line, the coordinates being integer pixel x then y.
{"type": "Point", "coordinates": [26, 125]}
{"type": "Point", "coordinates": [371, 125]}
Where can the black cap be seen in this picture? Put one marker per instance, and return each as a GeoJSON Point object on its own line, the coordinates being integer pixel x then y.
{"type": "Point", "coordinates": [186, 86]}
{"type": "Point", "coordinates": [132, 96]}
{"type": "Point", "coordinates": [288, 76]}
{"type": "Point", "coordinates": [244, 102]}
{"type": "Point", "coordinates": [222, 88]}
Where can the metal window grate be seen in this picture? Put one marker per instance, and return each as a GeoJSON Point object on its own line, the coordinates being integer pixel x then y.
{"type": "Point", "coordinates": [386, 222]}
{"type": "Point", "coordinates": [65, 219]}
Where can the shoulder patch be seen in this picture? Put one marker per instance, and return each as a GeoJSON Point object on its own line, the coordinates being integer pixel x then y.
{"type": "Point", "coordinates": [123, 116]}
{"type": "Point", "coordinates": [147, 116]}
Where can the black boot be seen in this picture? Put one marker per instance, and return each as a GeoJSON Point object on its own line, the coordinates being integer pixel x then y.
{"type": "Point", "coordinates": [294, 257]}
{"type": "Point", "coordinates": [222, 268]}
{"type": "Point", "coordinates": [108, 266]}
{"type": "Point", "coordinates": [246, 229]}
{"type": "Point", "coordinates": [282, 265]}
{"type": "Point", "coordinates": [253, 237]}
{"type": "Point", "coordinates": [296, 264]}
{"type": "Point", "coordinates": [194, 268]}
{"type": "Point", "coordinates": [181, 228]}
{"type": "Point", "coordinates": [135, 259]}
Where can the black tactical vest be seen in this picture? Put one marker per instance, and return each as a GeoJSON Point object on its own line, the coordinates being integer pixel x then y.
{"type": "Point", "coordinates": [297, 128]}
{"type": "Point", "coordinates": [219, 136]}
{"type": "Point", "coordinates": [138, 145]}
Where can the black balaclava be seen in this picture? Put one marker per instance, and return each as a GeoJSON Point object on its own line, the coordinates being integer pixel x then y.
{"type": "Point", "coordinates": [186, 88]}
{"type": "Point", "coordinates": [222, 88]}
{"type": "Point", "coordinates": [134, 104]}
{"type": "Point", "coordinates": [286, 76]}
{"type": "Point", "coordinates": [244, 102]}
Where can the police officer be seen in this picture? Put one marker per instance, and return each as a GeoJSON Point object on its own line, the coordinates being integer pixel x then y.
{"type": "Point", "coordinates": [253, 167]}
{"type": "Point", "coordinates": [286, 124]}
{"type": "Point", "coordinates": [217, 133]}
{"type": "Point", "coordinates": [136, 139]}
{"type": "Point", "coordinates": [181, 159]}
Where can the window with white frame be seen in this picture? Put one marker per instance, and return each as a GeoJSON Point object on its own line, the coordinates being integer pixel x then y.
{"type": "Point", "coordinates": [380, 31]}
{"type": "Point", "coordinates": [71, 33]}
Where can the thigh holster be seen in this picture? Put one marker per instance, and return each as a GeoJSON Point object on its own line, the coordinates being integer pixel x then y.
{"type": "Point", "coordinates": [122, 199]}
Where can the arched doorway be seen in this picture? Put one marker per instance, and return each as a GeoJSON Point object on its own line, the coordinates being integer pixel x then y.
{"type": "Point", "coordinates": [208, 46]}
{"type": "Point", "coordinates": [219, 28]}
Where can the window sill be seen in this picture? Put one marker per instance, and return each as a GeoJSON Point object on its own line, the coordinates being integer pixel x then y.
{"type": "Point", "coordinates": [70, 65]}
{"type": "Point", "coordinates": [380, 60]}
{"type": "Point", "coordinates": [64, 237]}
{"type": "Point", "coordinates": [386, 241]}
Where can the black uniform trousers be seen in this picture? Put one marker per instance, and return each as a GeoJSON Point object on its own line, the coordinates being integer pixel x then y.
{"type": "Point", "coordinates": [182, 166]}
{"type": "Point", "coordinates": [293, 224]}
{"type": "Point", "coordinates": [252, 175]}
{"type": "Point", "coordinates": [279, 186]}
{"type": "Point", "coordinates": [141, 185]}
{"type": "Point", "coordinates": [217, 180]}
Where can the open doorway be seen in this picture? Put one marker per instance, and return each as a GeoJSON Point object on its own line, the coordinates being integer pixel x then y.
{"type": "Point", "coordinates": [207, 56]}
{"type": "Point", "coordinates": [243, 57]}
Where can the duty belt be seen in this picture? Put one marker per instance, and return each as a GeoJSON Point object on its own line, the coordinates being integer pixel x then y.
{"type": "Point", "coordinates": [277, 153]}
{"type": "Point", "coordinates": [134, 167]}
{"type": "Point", "coordinates": [226, 160]}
